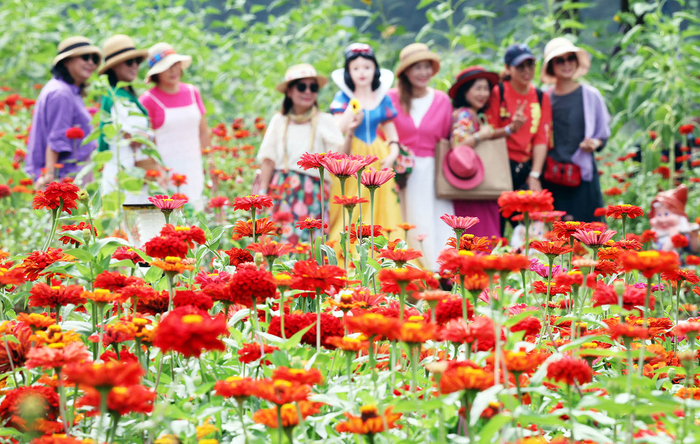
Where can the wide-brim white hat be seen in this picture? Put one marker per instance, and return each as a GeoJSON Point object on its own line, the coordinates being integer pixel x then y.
{"type": "Point", "coordinates": [560, 46]}
{"type": "Point", "coordinates": [162, 56]}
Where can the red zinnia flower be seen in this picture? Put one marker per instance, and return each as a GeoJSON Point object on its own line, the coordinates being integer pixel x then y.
{"type": "Point", "coordinates": [103, 376]}
{"type": "Point", "coordinates": [190, 235]}
{"type": "Point", "coordinates": [256, 202]}
{"type": "Point", "coordinates": [55, 194]}
{"type": "Point", "coordinates": [308, 161]}
{"type": "Point", "coordinates": [525, 201]}
{"type": "Point", "coordinates": [373, 179]}
{"type": "Point", "coordinates": [686, 129]}
{"type": "Point", "coordinates": [308, 275]}
{"type": "Point", "coordinates": [189, 330]}
{"type": "Point", "coordinates": [280, 391]}
{"type": "Point", "coordinates": [249, 282]}
{"type": "Point", "coordinates": [238, 256]}
{"type": "Point", "coordinates": [364, 231]}
{"type": "Point", "coordinates": [679, 240]}
{"type": "Point", "coordinates": [178, 179]}
{"type": "Point", "coordinates": [80, 227]}
{"type": "Point", "coordinates": [614, 191]}
{"type": "Point", "coordinates": [400, 257]}
{"type": "Point", "coordinates": [551, 249]}
{"type": "Point", "coordinates": [126, 253]}
{"type": "Point", "coordinates": [115, 281]}
{"type": "Point", "coordinates": [408, 279]}
{"type": "Point", "coordinates": [270, 248]}
{"type": "Point", "coordinates": [166, 246]}
{"type": "Point", "coordinates": [310, 224]}
{"type": "Point", "coordinates": [121, 400]}
{"type": "Point", "coordinates": [197, 299]}
{"type": "Point", "coordinates": [632, 297]}
{"type": "Point", "coordinates": [628, 332]}
{"type": "Point", "coordinates": [299, 376]}
{"type": "Point", "coordinates": [75, 132]}
{"type": "Point", "coordinates": [42, 295]}
{"type": "Point", "coordinates": [465, 376]}
{"type": "Point", "coordinates": [570, 371]}
{"type": "Point", "coordinates": [349, 201]}
{"type": "Point", "coordinates": [56, 357]}
{"type": "Point", "coordinates": [251, 352]}
{"type": "Point", "coordinates": [372, 324]}
{"type": "Point", "coordinates": [218, 202]}
{"type": "Point", "coordinates": [648, 236]}
{"type": "Point", "coordinates": [624, 210]}
{"type": "Point", "coordinates": [289, 414]}
{"type": "Point", "coordinates": [293, 323]}
{"type": "Point", "coordinates": [236, 386]}
{"type": "Point", "coordinates": [41, 401]}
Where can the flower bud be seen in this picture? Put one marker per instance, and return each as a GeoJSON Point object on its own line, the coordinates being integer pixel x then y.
{"type": "Point", "coordinates": [259, 259]}
{"type": "Point", "coordinates": [83, 197]}
{"type": "Point", "coordinates": [619, 287]}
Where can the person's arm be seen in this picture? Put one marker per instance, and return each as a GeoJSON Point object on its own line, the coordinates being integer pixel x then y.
{"type": "Point", "coordinates": [539, 154]}
{"type": "Point", "coordinates": [204, 137]}
{"type": "Point", "coordinates": [49, 167]}
{"type": "Point", "coordinates": [392, 138]}
{"type": "Point", "coordinates": [541, 143]}
{"type": "Point", "coordinates": [267, 169]}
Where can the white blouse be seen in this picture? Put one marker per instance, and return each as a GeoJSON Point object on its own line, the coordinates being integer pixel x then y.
{"type": "Point", "coordinates": [328, 138]}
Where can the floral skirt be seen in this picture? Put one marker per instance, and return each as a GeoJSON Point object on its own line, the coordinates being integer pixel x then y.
{"type": "Point", "coordinates": [296, 197]}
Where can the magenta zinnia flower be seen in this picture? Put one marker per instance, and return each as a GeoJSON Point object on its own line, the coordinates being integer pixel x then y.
{"type": "Point", "coordinates": [373, 179]}
{"type": "Point", "coordinates": [342, 167]}
{"type": "Point", "coordinates": [459, 223]}
{"type": "Point", "coordinates": [594, 238]}
{"type": "Point", "coordinates": [166, 203]}
{"type": "Point", "coordinates": [366, 160]}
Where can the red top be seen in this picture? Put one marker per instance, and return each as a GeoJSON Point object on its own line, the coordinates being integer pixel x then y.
{"type": "Point", "coordinates": [435, 125]}
{"type": "Point", "coordinates": [538, 125]}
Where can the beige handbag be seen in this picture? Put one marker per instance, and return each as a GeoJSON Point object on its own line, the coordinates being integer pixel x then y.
{"type": "Point", "coordinates": [494, 156]}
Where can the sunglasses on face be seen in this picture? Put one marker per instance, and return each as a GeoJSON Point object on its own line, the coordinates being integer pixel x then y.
{"type": "Point", "coordinates": [95, 58]}
{"type": "Point", "coordinates": [136, 60]}
{"type": "Point", "coordinates": [561, 60]}
{"type": "Point", "coordinates": [527, 64]}
{"type": "Point", "coordinates": [301, 87]}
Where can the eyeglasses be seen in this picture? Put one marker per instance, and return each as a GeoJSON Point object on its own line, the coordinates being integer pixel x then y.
{"type": "Point", "coordinates": [527, 64]}
{"type": "Point", "coordinates": [301, 87]}
{"type": "Point", "coordinates": [561, 60]}
{"type": "Point", "coordinates": [95, 58]}
{"type": "Point", "coordinates": [136, 60]}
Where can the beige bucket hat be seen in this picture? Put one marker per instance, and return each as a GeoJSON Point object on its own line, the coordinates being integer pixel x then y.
{"type": "Point", "coordinates": [162, 56]}
{"type": "Point", "coordinates": [75, 46]}
{"type": "Point", "coordinates": [118, 49]}
{"type": "Point", "coordinates": [414, 53]}
{"type": "Point", "coordinates": [560, 46]}
{"type": "Point", "coordinates": [301, 71]}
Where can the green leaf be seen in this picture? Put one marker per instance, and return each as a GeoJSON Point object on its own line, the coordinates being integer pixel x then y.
{"type": "Point", "coordinates": [81, 255]}
{"type": "Point", "coordinates": [292, 342]}
{"type": "Point", "coordinates": [153, 274]}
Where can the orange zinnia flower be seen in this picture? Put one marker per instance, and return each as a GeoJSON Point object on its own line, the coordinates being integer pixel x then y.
{"type": "Point", "coordinates": [624, 210]}
{"type": "Point", "coordinates": [348, 344]}
{"type": "Point", "coordinates": [465, 376]}
{"type": "Point", "coordinates": [280, 391]}
{"type": "Point", "coordinates": [235, 387]}
{"type": "Point", "coordinates": [416, 332]}
{"type": "Point", "coordinates": [551, 249]}
{"type": "Point", "coordinates": [649, 263]}
{"type": "Point", "coordinates": [121, 400]}
{"type": "Point", "coordinates": [470, 242]}
{"type": "Point", "coordinates": [525, 201]}
{"type": "Point", "coordinates": [370, 422]}
{"type": "Point", "coordinates": [400, 257]}
{"type": "Point", "coordinates": [36, 321]}
{"type": "Point", "coordinates": [523, 362]}
{"type": "Point", "coordinates": [407, 279]}
{"type": "Point", "coordinates": [372, 324]}
{"type": "Point", "coordinates": [263, 226]}
{"type": "Point", "coordinates": [37, 261]}
{"type": "Point", "coordinates": [298, 375]}
{"type": "Point", "coordinates": [289, 413]}
{"type": "Point", "coordinates": [308, 275]}
{"type": "Point", "coordinates": [41, 295]}
{"type": "Point", "coordinates": [103, 376]}
{"type": "Point", "coordinates": [100, 296]}
{"type": "Point", "coordinates": [172, 264]}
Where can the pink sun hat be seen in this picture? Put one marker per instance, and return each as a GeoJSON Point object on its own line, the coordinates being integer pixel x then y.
{"type": "Point", "coordinates": [463, 168]}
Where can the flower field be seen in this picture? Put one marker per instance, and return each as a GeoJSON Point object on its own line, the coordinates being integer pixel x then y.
{"type": "Point", "coordinates": [214, 332]}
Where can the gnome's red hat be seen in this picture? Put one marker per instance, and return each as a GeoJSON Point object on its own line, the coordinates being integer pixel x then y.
{"type": "Point", "coordinates": [674, 200]}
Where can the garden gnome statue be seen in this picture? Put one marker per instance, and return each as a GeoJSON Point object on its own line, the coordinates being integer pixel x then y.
{"type": "Point", "coordinates": [668, 219]}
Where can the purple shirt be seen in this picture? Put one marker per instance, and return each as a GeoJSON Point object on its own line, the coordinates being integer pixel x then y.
{"type": "Point", "coordinates": [58, 108]}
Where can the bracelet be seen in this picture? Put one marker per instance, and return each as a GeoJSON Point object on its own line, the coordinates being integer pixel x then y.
{"type": "Point", "coordinates": [535, 174]}
{"type": "Point", "coordinates": [508, 130]}
{"type": "Point", "coordinates": [476, 139]}
{"type": "Point", "coordinates": [395, 141]}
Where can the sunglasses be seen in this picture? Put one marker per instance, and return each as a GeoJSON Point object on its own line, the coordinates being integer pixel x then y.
{"type": "Point", "coordinates": [95, 58]}
{"type": "Point", "coordinates": [527, 64]}
{"type": "Point", "coordinates": [136, 60]}
{"type": "Point", "coordinates": [301, 87]}
{"type": "Point", "coordinates": [561, 60]}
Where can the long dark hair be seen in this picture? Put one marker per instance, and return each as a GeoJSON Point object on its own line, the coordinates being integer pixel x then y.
{"type": "Point", "coordinates": [460, 100]}
{"type": "Point", "coordinates": [346, 74]}
{"type": "Point", "coordinates": [405, 92]}
{"type": "Point", "coordinates": [60, 72]}
{"type": "Point", "coordinates": [113, 80]}
{"type": "Point", "coordinates": [287, 104]}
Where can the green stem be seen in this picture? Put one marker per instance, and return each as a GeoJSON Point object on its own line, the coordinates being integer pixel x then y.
{"type": "Point", "coordinates": [348, 369]}
{"type": "Point", "coordinates": [252, 213]}
{"type": "Point", "coordinates": [465, 312]}
{"type": "Point", "coordinates": [169, 278]}
{"type": "Point", "coordinates": [318, 320]}
{"type": "Point", "coordinates": [284, 335]}
{"type": "Point", "coordinates": [239, 402]}
{"type": "Point", "coordinates": [279, 424]}
{"type": "Point", "coordinates": [526, 220]}
{"type": "Point", "coordinates": [322, 198]}
{"type": "Point", "coordinates": [54, 224]}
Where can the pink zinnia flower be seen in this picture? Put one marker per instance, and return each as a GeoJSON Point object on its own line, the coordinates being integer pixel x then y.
{"type": "Point", "coordinates": [373, 179]}
{"type": "Point", "coordinates": [421, 237]}
{"type": "Point", "coordinates": [594, 238]}
{"type": "Point", "coordinates": [366, 160]}
{"type": "Point", "coordinates": [308, 161]}
{"type": "Point", "coordinates": [459, 223]}
{"type": "Point", "coordinates": [165, 202]}
{"type": "Point", "coordinates": [342, 167]}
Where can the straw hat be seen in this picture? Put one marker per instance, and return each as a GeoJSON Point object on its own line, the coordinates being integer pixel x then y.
{"type": "Point", "coordinates": [414, 53]}
{"type": "Point", "coordinates": [301, 71]}
{"type": "Point", "coordinates": [75, 46]}
{"type": "Point", "coordinates": [118, 49]}
{"type": "Point", "coordinates": [560, 46]}
{"type": "Point", "coordinates": [162, 56]}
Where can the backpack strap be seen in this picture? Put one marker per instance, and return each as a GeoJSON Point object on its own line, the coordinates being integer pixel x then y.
{"type": "Point", "coordinates": [500, 93]}
{"type": "Point", "coordinates": [539, 95]}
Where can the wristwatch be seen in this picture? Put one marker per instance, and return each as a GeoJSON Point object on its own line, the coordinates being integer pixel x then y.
{"type": "Point", "coordinates": [535, 174]}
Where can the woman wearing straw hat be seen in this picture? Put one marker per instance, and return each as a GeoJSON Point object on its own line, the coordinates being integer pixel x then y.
{"type": "Point", "coordinates": [581, 126]}
{"type": "Point", "coordinates": [298, 128]}
{"type": "Point", "coordinates": [126, 114]}
{"type": "Point", "coordinates": [177, 116]}
{"type": "Point", "coordinates": [60, 107]}
{"type": "Point", "coordinates": [424, 118]}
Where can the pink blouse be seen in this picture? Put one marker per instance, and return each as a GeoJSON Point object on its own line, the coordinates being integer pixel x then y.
{"type": "Point", "coordinates": [435, 125]}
